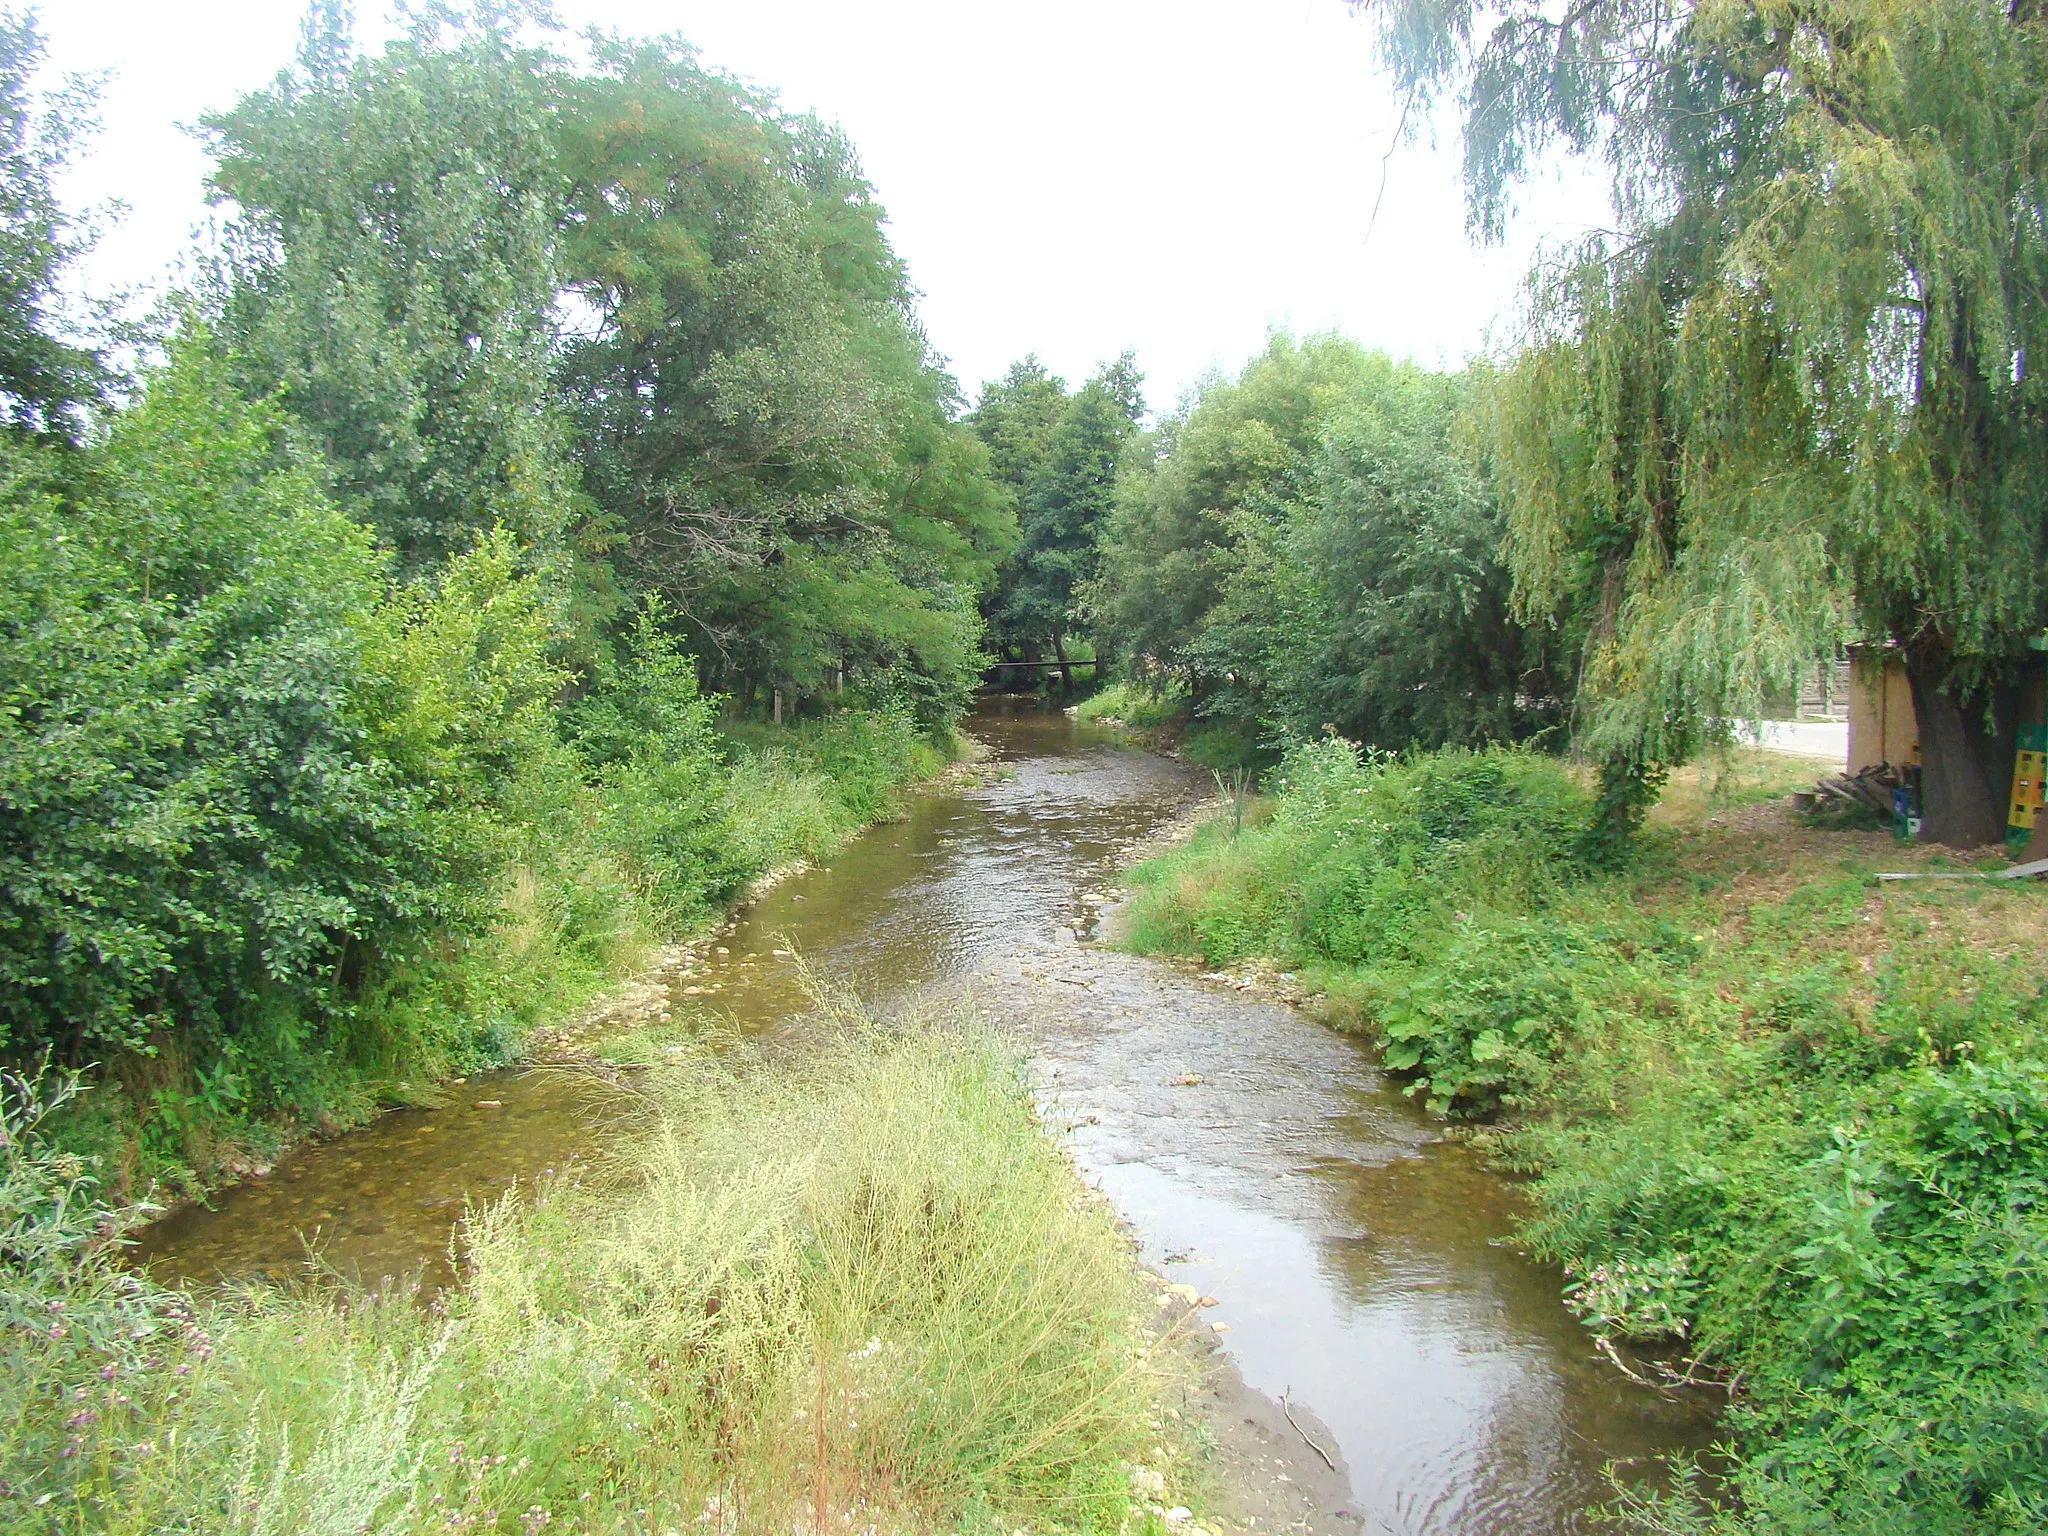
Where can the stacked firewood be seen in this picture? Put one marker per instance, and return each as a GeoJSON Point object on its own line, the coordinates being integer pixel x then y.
{"type": "Point", "coordinates": [1871, 787]}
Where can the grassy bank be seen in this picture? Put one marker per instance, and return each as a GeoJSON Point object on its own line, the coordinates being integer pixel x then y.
{"type": "Point", "coordinates": [1788, 1126]}
{"type": "Point", "coordinates": [1163, 717]}
{"type": "Point", "coordinates": [862, 1293]}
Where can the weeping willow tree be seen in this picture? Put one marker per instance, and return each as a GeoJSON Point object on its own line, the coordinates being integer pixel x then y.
{"type": "Point", "coordinates": [1789, 400]}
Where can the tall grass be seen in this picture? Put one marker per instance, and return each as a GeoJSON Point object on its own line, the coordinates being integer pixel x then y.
{"type": "Point", "coordinates": [798, 792]}
{"type": "Point", "coordinates": [861, 1292]}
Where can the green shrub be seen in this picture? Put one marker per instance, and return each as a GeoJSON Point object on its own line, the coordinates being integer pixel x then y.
{"type": "Point", "coordinates": [798, 792]}
{"type": "Point", "coordinates": [648, 736]}
{"type": "Point", "coordinates": [201, 828]}
{"type": "Point", "coordinates": [1372, 868]}
{"type": "Point", "coordinates": [1133, 704]}
{"type": "Point", "coordinates": [281, 836]}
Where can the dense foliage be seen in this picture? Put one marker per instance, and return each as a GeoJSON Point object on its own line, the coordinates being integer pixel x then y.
{"type": "Point", "coordinates": [393, 274]}
{"type": "Point", "coordinates": [1796, 398]}
{"type": "Point", "coordinates": [1313, 546]}
{"type": "Point", "coordinates": [1058, 452]}
{"type": "Point", "coordinates": [1788, 1125]}
{"type": "Point", "coordinates": [47, 377]}
{"type": "Point", "coordinates": [766, 442]}
{"type": "Point", "coordinates": [380, 658]}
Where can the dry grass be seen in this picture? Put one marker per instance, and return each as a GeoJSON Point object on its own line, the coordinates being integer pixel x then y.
{"type": "Point", "coordinates": [1719, 786]}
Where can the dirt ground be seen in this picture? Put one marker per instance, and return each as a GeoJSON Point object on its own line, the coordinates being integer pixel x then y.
{"type": "Point", "coordinates": [1274, 1466]}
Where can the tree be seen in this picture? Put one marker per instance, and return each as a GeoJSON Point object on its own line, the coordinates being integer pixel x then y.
{"type": "Point", "coordinates": [393, 275]}
{"type": "Point", "coordinates": [45, 380]}
{"type": "Point", "coordinates": [756, 416]}
{"type": "Point", "coordinates": [1060, 453]}
{"type": "Point", "coordinates": [1314, 544]}
{"type": "Point", "coordinates": [1218, 473]}
{"type": "Point", "coordinates": [1793, 398]}
{"type": "Point", "coordinates": [1383, 593]}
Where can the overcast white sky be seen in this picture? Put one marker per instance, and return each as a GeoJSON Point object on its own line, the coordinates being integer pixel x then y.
{"type": "Point", "coordinates": [1070, 177]}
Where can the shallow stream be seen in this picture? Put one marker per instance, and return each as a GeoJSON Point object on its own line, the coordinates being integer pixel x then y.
{"type": "Point", "coordinates": [1355, 1256]}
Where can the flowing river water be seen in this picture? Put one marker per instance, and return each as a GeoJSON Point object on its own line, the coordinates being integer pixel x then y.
{"type": "Point", "coordinates": [1356, 1257]}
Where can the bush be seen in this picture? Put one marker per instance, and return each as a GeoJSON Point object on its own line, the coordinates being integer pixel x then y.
{"type": "Point", "coordinates": [1133, 704]}
{"type": "Point", "coordinates": [190, 822]}
{"type": "Point", "coordinates": [1373, 868]}
{"type": "Point", "coordinates": [280, 836]}
{"type": "Point", "coordinates": [799, 792]}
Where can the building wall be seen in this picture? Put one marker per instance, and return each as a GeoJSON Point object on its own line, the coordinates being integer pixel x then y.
{"type": "Point", "coordinates": [1883, 727]}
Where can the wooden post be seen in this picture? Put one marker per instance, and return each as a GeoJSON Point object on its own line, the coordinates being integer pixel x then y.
{"type": "Point", "coordinates": [775, 705]}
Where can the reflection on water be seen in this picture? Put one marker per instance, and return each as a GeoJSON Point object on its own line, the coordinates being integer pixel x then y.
{"type": "Point", "coordinates": [1354, 1255]}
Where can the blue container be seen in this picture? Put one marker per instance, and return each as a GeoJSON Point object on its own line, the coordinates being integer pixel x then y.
{"type": "Point", "coordinates": [1905, 812]}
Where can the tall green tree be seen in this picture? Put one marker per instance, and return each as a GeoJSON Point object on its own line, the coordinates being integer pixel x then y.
{"type": "Point", "coordinates": [1314, 544]}
{"type": "Point", "coordinates": [1060, 454]}
{"type": "Point", "coordinates": [1383, 596]}
{"type": "Point", "coordinates": [1798, 397]}
{"type": "Point", "coordinates": [393, 274]}
{"type": "Point", "coordinates": [46, 378]}
{"type": "Point", "coordinates": [757, 418]}
{"type": "Point", "coordinates": [1225, 468]}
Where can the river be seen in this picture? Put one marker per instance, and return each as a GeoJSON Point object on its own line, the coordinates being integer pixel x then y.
{"type": "Point", "coordinates": [1356, 1256]}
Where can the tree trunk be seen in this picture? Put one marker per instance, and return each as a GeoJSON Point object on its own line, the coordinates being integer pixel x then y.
{"type": "Point", "coordinates": [1059, 649]}
{"type": "Point", "coordinates": [1965, 758]}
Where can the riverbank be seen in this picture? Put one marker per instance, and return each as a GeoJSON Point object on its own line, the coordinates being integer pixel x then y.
{"type": "Point", "coordinates": [1782, 1119]}
{"type": "Point", "coordinates": [592, 926]}
{"type": "Point", "coordinates": [1350, 1248]}
{"type": "Point", "coordinates": [860, 1291]}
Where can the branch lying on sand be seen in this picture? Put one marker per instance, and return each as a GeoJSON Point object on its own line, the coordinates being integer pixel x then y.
{"type": "Point", "coordinates": [1304, 1433]}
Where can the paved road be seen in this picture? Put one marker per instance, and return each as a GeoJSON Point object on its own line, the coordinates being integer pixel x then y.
{"type": "Point", "coordinates": [1800, 738]}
